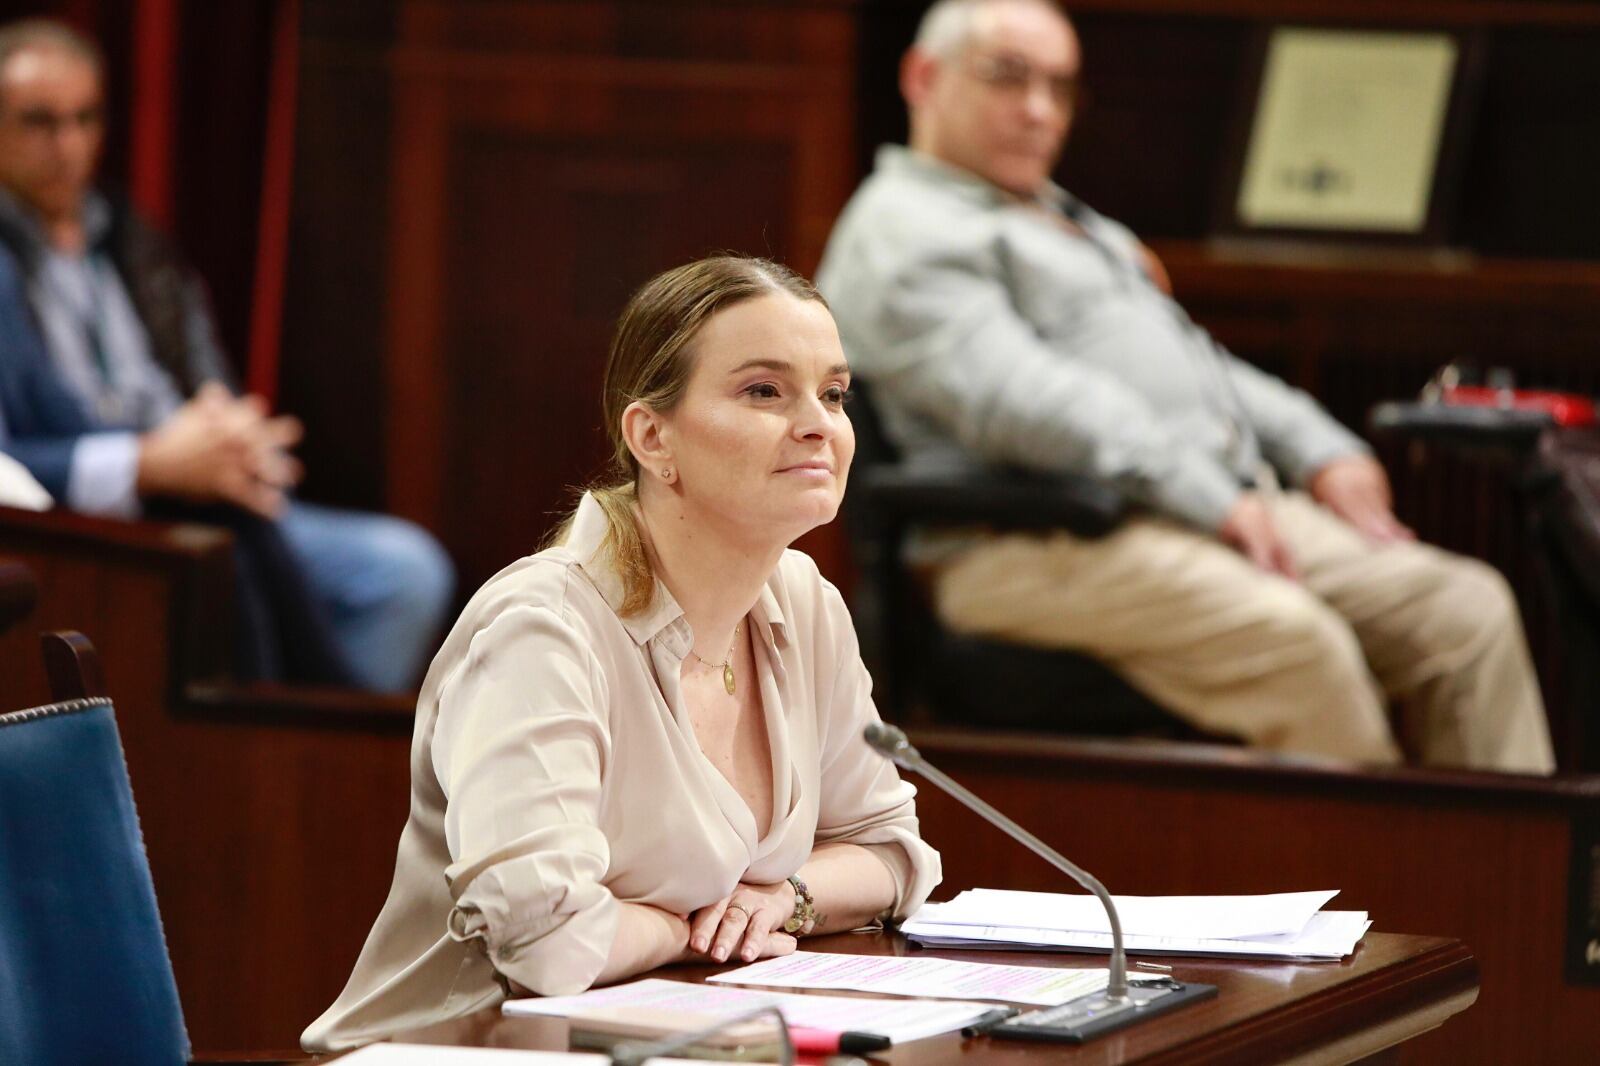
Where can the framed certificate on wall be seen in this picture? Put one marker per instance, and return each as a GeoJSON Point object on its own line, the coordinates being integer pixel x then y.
{"type": "Point", "coordinates": [1351, 132]}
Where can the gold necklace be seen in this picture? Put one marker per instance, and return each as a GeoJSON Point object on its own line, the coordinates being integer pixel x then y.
{"type": "Point", "coordinates": [726, 664]}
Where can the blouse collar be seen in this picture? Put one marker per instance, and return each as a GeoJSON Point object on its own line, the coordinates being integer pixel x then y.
{"type": "Point", "coordinates": [585, 540]}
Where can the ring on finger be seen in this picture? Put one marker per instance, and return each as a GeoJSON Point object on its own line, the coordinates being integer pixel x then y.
{"type": "Point", "coordinates": [737, 907]}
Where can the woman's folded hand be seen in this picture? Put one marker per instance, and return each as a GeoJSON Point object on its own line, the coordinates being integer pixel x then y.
{"type": "Point", "coordinates": [746, 925]}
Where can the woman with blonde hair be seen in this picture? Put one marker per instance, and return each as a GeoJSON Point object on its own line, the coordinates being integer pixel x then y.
{"type": "Point", "coordinates": [643, 744]}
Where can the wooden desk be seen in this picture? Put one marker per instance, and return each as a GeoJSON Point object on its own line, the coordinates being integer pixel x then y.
{"type": "Point", "coordinates": [1391, 989]}
{"type": "Point", "coordinates": [1483, 858]}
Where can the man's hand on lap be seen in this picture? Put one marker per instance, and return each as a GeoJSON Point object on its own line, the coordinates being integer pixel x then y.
{"type": "Point", "coordinates": [1250, 530]}
{"type": "Point", "coordinates": [1357, 490]}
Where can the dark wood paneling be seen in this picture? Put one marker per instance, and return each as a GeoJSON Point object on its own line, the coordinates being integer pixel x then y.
{"type": "Point", "coordinates": [1158, 100]}
{"type": "Point", "coordinates": [18, 593]}
{"type": "Point", "coordinates": [331, 360]}
{"type": "Point", "coordinates": [1535, 159]}
{"type": "Point", "coordinates": [524, 167]}
{"type": "Point", "coordinates": [548, 238]}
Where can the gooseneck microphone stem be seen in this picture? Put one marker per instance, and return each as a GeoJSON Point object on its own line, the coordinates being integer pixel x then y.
{"type": "Point", "coordinates": [892, 742]}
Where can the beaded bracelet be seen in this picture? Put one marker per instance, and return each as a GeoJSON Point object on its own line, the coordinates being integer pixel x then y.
{"type": "Point", "coordinates": [804, 918]}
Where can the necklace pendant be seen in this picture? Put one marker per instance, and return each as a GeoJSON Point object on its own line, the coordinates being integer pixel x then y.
{"type": "Point", "coordinates": [727, 677]}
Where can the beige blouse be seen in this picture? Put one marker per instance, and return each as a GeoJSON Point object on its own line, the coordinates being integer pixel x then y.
{"type": "Point", "coordinates": [554, 772]}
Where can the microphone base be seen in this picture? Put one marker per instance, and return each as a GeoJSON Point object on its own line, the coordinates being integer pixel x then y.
{"type": "Point", "coordinates": [1087, 1017]}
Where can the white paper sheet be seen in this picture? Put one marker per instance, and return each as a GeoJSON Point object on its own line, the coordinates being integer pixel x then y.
{"type": "Point", "coordinates": [440, 1055]}
{"type": "Point", "coordinates": [1329, 936]}
{"type": "Point", "coordinates": [1210, 917]}
{"type": "Point", "coordinates": [935, 978]}
{"type": "Point", "coordinates": [900, 1020]}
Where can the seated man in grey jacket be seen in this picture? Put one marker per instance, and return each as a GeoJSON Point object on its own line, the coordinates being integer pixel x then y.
{"type": "Point", "coordinates": [1002, 321]}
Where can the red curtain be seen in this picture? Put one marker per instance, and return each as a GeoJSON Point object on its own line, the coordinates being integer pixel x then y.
{"type": "Point", "coordinates": [153, 63]}
{"type": "Point", "coordinates": [277, 177]}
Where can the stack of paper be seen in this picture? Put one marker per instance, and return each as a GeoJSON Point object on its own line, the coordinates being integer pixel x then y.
{"type": "Point", "coordinates": [900, 1020]}
{"type": "Point", "coordinates": [893, 975]}
{"type": "Point", "coordinates": [437, 1055]}
{"type": "Point", "coordinates": [1283, 926]}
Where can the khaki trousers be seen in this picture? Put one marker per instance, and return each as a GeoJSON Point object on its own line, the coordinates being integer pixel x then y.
{"type": "Point", "coordinates": [1306, 666]}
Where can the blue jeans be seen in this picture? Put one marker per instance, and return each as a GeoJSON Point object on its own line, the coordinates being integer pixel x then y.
{"type": "Point", "coordinates": [384, 583]}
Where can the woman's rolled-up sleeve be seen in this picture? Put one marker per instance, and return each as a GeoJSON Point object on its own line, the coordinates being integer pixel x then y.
{"type": "Point", "coordinates": [864, 800]}
{"type": "Point", "coordinates": [519, 749]}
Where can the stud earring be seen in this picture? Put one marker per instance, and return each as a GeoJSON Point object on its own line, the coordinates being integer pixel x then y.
{"type": "Point", "coordinates": [666, 473]}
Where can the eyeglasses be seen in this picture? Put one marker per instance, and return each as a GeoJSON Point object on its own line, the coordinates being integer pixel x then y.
{"type": "Point", "coordinates": [43, 122]}
{"type": "Point", "coordinates": [1013, 74]}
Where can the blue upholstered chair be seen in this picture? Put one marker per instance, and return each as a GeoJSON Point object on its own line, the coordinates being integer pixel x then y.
{"type": "Point", "coordinates": [84, 973]}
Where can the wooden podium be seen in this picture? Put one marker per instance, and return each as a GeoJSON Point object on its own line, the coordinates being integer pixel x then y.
{"type": "Point", "coordinates": [1393, 988]}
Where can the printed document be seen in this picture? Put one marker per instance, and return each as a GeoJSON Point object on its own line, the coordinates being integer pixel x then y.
{"type": "Point", "coordinates": [1211, 917]}
{"type": "Point", "coordinates": [900, 1020]}
{"type": "Point", "coordinates": [935, 978]}
{"type": "Point", "coordinates": [435, 1055]}
{"type": "Point", "coordinates": [1328, 937]}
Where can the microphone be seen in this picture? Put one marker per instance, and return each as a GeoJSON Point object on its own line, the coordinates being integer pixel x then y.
{"type": "Point", "coordinates": [891, 742]}
{"type": "Point", "coordinates": [1090, 1015]}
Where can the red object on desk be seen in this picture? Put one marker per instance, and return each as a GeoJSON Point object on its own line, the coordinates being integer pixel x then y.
{"type": "Point", "coordinates": [1568, 409]}
{"type": "Point", "coordinates": [826, 1042]}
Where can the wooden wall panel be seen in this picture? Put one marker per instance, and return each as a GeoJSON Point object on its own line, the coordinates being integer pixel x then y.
{"type": "Point", "coordinates": [520, 351]}
{"type": "Point", "coordinates": [537, 162]}
{"type": "Point", "coordinates": [331, 359]}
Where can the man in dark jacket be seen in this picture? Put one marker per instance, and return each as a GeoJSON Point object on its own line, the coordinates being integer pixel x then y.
{"type": "Point", "coordinates": [115, 394]}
